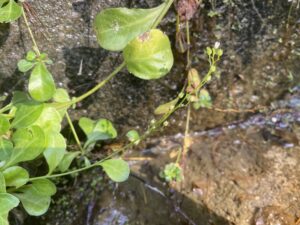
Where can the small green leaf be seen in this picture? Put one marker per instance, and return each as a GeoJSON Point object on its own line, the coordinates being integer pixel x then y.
{"type": "Point", "coordinates": [8, 202]}
{"type": "Point", "coordinates": [2, 183]}
{"type": "Point", "coordinates": [55, 150]}
{"type": "Point", "coordinates": [87, 125]}
{"type": "Point", "coordinates": [24, 65]}
{"type": "Point", "coordinates": [115, 28]}
{"type": "Point", "coordinates": [172, 172]}
{"type": "Point", "coordinates": [103, 130]}
{"type": "Point", "coordinates": [166, 107]}
{"type": "Point", "coordinates": [149, 56]}
{"type": "Point", "coordinates": [117, 169]}
{"type": "Point", "coordinates": [133, 136]}
{"type": "Point", "coordinates": [6, 148]}
{"type": "Point", "coordinates": [30, 56]}
{"type": "Point", "coordinates": [41, 84]}
{"type": "Point", "coordinates": [67, 160]}
{"type": "Point", "coordinates": [4, 125]}
{"type": "Point", "coordinates": [27, 113]}
{"type": "Point", "coordinates": [204, 100]}
{"type": "Point", "coordinates": [35, 197]}
{"type": "Point", "coordinates": [29, 143]}
{"type": "Point", "coordinates": [10, 12]}
{"type": "Point", "coordinates": [16, 176]}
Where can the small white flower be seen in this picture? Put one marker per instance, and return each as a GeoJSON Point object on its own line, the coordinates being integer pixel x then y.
{"type": "Point", "coordinates": [217, 45]}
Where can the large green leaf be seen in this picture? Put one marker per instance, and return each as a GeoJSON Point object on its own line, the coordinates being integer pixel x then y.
{"type": "Point", "coordinates": [41, 84]}
{"type": "Point", "coordinates": [49, 120]}
{"type": "Point", "coordinates": [55, 150]}
{"type": "Point", "coordinates": [115, 28]}
{"type": "Point", "coordinates": [16, 176]}
{"type": "Point", "coordinates": [67, 160]}
{"type": "Point", "coordinates": [6, 148]}
{"type": "Point", "coordinates": [27, 113]}
{"type": "Point", "coordinates": [8, 202]}
{"type": "Point", "coordinates": [2, 2]}
{"type": "Point", "coordinates": [2, 183]}
{"type": "Point", "coordinates": [4, 124]}
{"type": "Point", "coordinates": [29, 143]}
{"type": "Point", "coordinates": [149, 56]}
{"type": "Point", "coordinates": [36, 197]}
{"type": "Point", "coordinates": [4, 219]}
{"type": "Point", "coordinates": [10, 12]}
{"type": "Point", "coordinates": [117, 169]}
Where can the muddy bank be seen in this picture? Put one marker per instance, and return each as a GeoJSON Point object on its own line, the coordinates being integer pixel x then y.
{"type": "Point", "coordinates": [244, 173]}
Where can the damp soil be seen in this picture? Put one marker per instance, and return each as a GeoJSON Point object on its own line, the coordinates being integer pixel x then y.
{"type": "Point", "coordinates": [242, 167]}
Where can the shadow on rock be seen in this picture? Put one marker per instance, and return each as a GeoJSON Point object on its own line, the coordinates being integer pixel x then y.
{"type": "Point", "coordinates": [82, 64]}
{"type": "Point", "coordinates": [4, 32]}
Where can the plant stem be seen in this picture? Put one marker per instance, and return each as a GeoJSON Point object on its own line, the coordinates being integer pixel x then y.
{"type": "Point", "coordinates": [161, 16]}
{"type": "Point", "coordinates": [74, 132]}
{"type": "Point", "coordinates": [188, 41]}
{"type": "Point", "coordinates": [100, 85]}
{"type": "Point", "coordinates": [30, 33]}
{"type": "Point", "coordinates": [186, 133]}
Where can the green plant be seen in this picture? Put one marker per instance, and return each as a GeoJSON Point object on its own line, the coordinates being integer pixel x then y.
{"type": "Point", "coordinates": [30, 125]}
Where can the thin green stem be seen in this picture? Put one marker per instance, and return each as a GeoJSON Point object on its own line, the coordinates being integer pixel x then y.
{"type": "Point", "coordinates": [35, 46]}
{"type": "Point", "coordinates": [188, 40]}
{"type": "Point", "coordinates": [100, 85]}
{"type": "Point", "coordinates": [186, 133]}
{"type": "Point", "coordinates": [74, 132]}
{"type": "Point", "coordinates": [66, 173]}
{"type": "Point", "coordinates": [161, 16]}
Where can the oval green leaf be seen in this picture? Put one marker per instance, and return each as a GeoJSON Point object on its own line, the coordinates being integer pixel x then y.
{"type": "Point", "coordinates": [103, 130]}
{"type": "Point", "coordinates": [41, 84]}
{"type": "Point", "coordinates": [8, 202]}
{"type": "Point", "coordinates": [55, 150]}
{"type": "Point", "coordinates": [67, 160]}
{"type": "Point", "coordinates": [49, 120]}
{"type": "Point", "coordinates": [24, 65]}
{"type": "Point", "coordinates": [116, 169]}
{"type": "Point", "coordinates": [16, 176]}
{"type": "Point", "coordinates": [35, 197]}
{"type": "Point", "coordinates": [27, 113]}
{"type": "Point", "coordinates": [149, 56]}
{"type": "Point", "coordinates": [133, 136]}
{"type": "Point", "coordinates": [6, 148]}
{"type": "Point", "coordinates": [115, 28]}
{"type": "Point", "coordinates": [87, 125]}
{"type": "Point", "coordinates": [10, 12]}
{"type": "Point", "coordinates": [29, 143]}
